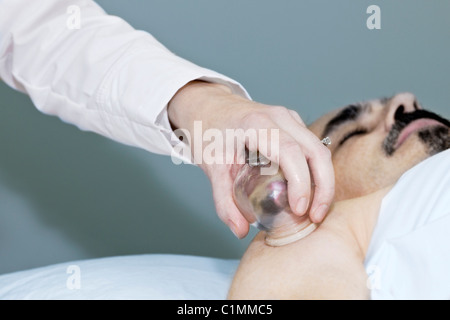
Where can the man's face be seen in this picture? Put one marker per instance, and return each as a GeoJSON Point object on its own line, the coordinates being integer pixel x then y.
{"type": "Point", "coordinates": [375, 142]}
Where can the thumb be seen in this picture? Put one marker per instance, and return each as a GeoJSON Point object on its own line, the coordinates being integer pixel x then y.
{"type": "Point", "coordinates": [227, 209]}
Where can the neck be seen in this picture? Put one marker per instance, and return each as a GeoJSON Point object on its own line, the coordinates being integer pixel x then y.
{"type": "Point", "coordinates": [355, 219]}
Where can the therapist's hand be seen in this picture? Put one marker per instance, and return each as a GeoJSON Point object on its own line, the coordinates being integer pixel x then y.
{"type": "Point", "coordinates": [302, 157]}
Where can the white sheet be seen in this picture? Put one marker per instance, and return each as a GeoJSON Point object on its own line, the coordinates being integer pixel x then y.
{"type": "Point", "coordinates": [128, 277]}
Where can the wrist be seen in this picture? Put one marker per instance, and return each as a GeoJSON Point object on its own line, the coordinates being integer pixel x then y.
{"type": "Point", "coordinates": [190, 102]}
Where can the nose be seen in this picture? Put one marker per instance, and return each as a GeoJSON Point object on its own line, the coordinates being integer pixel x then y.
{"type": "Point", "coordinates": [401, 103]}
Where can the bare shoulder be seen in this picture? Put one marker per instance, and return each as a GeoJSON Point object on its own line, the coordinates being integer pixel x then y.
{"type": "Point", "coordinates": [320, 266]}
{"type": "Point", "coordinates": [328, 264]}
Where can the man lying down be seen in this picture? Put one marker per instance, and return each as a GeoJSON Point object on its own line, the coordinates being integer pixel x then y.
{"type": "Point", "coordinates": [382, 238]}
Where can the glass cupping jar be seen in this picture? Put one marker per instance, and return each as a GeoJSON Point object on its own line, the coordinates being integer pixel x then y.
{"type": "Point", "coordinates": [263, 200]}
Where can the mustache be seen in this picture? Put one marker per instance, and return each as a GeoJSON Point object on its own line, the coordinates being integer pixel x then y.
{"type": "Point", "coordinates": [403, 119]}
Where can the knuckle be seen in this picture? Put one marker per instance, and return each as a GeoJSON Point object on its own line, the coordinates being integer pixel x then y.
{"type": "Point", "coordinates": [280, 109]}
{"type": "Point", "coordinates": [255, 119]}
{"type": "Point", "coordinates": [288, 145]}
{"type": "Point", "coordinates": [325, 191]}
{"type": "Point", "coordinates": [279, 112]}
{"type": "Point", "coordinates": [296, 116]}
{"type": "Point", "coordinates": [324, 196]}
{"type": "Point", "coordinates": [323, 153]}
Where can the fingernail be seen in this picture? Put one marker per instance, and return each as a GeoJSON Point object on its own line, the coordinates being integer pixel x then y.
{"type": "Point", "coordinates": [320, 213]}
{"type": "Point", "coordinates": [302, 205]}
{"type": "Point", "coordinates": [233, 228]}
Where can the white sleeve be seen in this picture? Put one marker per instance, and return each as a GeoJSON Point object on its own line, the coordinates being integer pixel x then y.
{"type": "Point", "coordinates": [101, 75]}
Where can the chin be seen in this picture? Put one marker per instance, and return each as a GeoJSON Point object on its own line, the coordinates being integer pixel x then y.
{"type": "Point", "coordinates": [411, 153]}
{"type": "Point", "coordinates": [436, 139]}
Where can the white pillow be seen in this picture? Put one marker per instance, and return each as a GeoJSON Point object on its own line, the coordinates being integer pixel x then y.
{"type": "Point", "coordinates": [129, 277]}
{"type": "Point", "coordinates": [409, 253]}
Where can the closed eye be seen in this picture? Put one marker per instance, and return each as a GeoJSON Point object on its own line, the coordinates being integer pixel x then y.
{"type": "Point", "coordinates": [352, 134]}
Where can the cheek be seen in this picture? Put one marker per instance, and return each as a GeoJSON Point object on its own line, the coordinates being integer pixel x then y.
{"type": "Point", "coordinates": [358, 169]}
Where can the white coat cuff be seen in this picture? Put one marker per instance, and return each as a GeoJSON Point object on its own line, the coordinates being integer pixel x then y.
{"type": "Point", "coordinates": [145, 106]}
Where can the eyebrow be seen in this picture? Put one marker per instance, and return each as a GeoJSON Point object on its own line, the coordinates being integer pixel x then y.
{"type": "Point", "coordinates": [349, 113]}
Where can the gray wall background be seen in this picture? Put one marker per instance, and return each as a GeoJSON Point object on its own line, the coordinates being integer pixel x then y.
{"type": "Point", "coordinates": [69, 195]}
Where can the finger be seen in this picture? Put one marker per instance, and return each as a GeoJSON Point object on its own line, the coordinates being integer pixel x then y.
{"type": "Point", "coordinates": [281, 114]}
{"type": "Point", "coordinates": [226, 208]}
{"type": "Point", "coordinates": [322, 172]}
{"type": "Point", "coordinates": [297, 118]}
{"type": "Point", "coordinates": [295, 169]}
{"type": "Point", "coordinates": [283, 150]}
{"type": "Point", "coordinates": [320, 167]}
